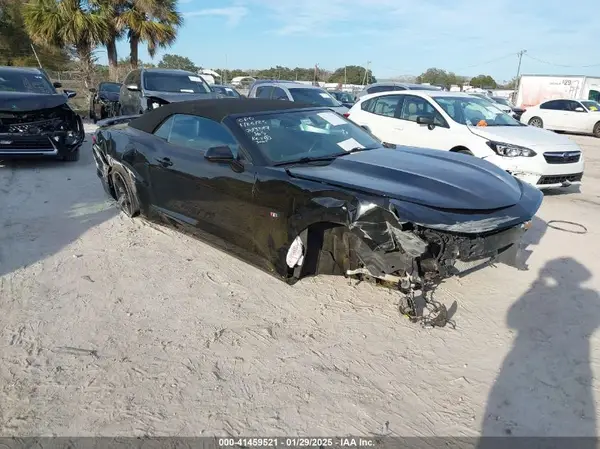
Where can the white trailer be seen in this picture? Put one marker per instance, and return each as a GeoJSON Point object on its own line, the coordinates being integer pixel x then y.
{"type": "Point", "coordinates": [535, 89]}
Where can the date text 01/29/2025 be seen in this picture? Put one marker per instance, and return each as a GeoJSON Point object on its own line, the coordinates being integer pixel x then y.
{"type": "Point", "coordinates": [298, 442]}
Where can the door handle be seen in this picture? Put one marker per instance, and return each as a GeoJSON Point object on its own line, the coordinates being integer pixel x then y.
{"type": "Point", "coordinates": [165, 162]}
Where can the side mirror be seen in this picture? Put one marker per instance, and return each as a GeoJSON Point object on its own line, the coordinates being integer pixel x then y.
{"type": "Point", "coordinates": [219, 154]}
{"type": "Point", "coordinates": [422, 120]}
{"type": "Point", "coordinates": [57, 84]}
{"type": "Point", "coordinates": [579, 109]}
{"type": "Point", "coordinates": [93, 90]}
{"type": "Point", "coordinates": [70, 93]}
{"type": "Point", "coordinates": [133, 87]}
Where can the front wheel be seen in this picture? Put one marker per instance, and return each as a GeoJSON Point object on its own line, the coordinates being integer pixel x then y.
{"type": "Point", "coordinates": [597, 129]}
{"type": "Point", "coordinates": [73, 156]}
{"type": "Point", "coordinates": [536, 122]}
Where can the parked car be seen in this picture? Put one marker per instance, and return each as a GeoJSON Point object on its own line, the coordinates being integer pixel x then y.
{"type": "Point", "coordinates": [297, 92]}
{"type": "Point", "coordinates": [578, 116]}
{"type": "Point", "coordinates": [393, 86]}
{"type": "Point", "coordinates": [299, 190]}
{"type": "Point", "coordinates": [147, 89]}
{"type": "Point", "coordinates": [105, 101]}
{"type": "Point", "coordinates": [504, 108]}
{"type": "Point", "coordinates": [463, 123]}
{"type": "Point", "coordinates": [346, 98]}
{"type": "Point", "coordinates": [35, 119]}
{"type": "Point", "coordinates": [226, 90]}
{"type": "Point", "coordinates": [516, 112]}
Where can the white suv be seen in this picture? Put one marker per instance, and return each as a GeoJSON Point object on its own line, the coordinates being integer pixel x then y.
{"type": "Point", "coordinates": [459, 122]}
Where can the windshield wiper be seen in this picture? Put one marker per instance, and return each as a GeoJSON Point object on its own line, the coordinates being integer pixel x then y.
{"type": "Point", "coordinates": [356, 150]}
{"type": "Point", "coordinates": [304, 160]}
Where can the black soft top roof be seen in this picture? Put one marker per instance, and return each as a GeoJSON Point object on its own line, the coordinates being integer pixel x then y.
{"type": "Point", "coordinates": [214, 109]}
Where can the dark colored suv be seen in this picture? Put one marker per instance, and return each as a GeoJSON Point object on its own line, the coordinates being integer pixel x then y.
{"type": "Point", "coordinates": [146, 89]}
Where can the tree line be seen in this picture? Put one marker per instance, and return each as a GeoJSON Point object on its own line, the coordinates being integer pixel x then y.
{"type": "Point", "coordinates": [351, 74]}
{"type": "Point", "coordinates": [72, 30]}
{"type": "Point", "coordinates": [443, 78]}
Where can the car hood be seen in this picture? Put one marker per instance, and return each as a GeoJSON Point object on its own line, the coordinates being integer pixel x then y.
{"type": "Point", "coordinates": [428, 177]}
{"type": "Point", "coordinates": [340, 109]}
{"type": "Point", "coordinates": [174, 97]}
{"type": "Point", "coordinates": [109, 96]}
{"type": "Point", "coordinates": [27, 101]}
{"type": "Point", "coordinates": [526, 136]}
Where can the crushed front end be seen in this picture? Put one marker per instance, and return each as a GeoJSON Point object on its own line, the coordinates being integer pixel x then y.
{"type": "Point", "coordinates": [410, 246]}
{"type": "Point", "coordinates": [51, 132]}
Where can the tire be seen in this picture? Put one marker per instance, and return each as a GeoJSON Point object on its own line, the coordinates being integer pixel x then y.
{"type": "Point", "coordinates": [536, 122]}
{"type": "Point", "coordinates": [72, 156]}
{"type": "Point", "coordinates": [597, 129]}
{"type": "Point", "coordinates": [124, 196]}
{"type": "Point", "coordinates": [463, 151]}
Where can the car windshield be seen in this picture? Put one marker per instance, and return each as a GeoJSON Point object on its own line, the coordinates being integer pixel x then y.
{"type": "Point", "coordinates": [474, 111]}
{"type": "Point", "coordinates": [591, 105]}
{"type": "Point", "coordinates": [110, 87]}
{"type": "Point", "coordinates": [295, 136]}
{"type": "Point", "coordinates": [175, 82]}
{"type": "Point", "coordinates": [343, 97]}
{"type": "Point", "coordinates": [317, 97]}
{"type": "Point", "coordinates": [227, 91]}
{"type": "Point", "coordinates": [502, 101]}
{"type": "Point", "coordinates": [423, 87]}
{"type": "Point", "coordinates": [14, 81]}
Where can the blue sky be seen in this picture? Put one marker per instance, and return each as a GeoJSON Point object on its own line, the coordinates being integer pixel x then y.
{"type": "Point", "coordinates": [398, 37]}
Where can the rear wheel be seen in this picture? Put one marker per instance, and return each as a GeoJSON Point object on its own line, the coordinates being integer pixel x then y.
{"type": "Point", "coordinates": [597, 129]}
{"type": "Point", "coordinates": [124, 195]}
{"type": "Point", "coordinates": [536, 122]}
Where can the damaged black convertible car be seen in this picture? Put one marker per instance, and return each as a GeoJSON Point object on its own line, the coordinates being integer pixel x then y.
{"type": "Point", "coordinates": [301, 191]}
{"type": "Point", "coordinates": [35, 119]}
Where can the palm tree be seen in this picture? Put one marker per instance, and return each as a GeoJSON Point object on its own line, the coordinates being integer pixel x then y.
{"type": "Point", "coordinates": [79, 24]}
{"type": "Point", "coordinates": [152, 21]}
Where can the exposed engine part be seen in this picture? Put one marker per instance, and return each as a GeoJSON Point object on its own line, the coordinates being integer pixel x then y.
{"type": "Point", "coordinates": [383, 277]}
{"type": "Point", "coordinates": [430, 313]}
{"type": "Point", "coordinates": [109, 107]}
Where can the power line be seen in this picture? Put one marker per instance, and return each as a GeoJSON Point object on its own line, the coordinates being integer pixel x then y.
{"type": "Point", "coordinates": [562, 65]}
{"type": "Point", "coordinates": [487, 62]}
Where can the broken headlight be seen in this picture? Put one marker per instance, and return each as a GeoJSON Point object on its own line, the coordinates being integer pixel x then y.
{"type": "Point", "coordinates": [510, 150]}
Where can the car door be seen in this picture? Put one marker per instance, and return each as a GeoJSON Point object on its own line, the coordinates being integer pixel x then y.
{"type": "Point", "coordinates": [263, 91]}
{"type": "Point", "coordinates": [421, 135]}
{"type": "Point", "coordinates": [552, 114]}
{"type": "Point", "coordinates": [125, 95]}
{"type": "Point", "coordinates": [576, 117]}
{"type": "Point", "coordinates": [378, 115]}
{"type": "Point", "coordinates": [207, 197]}
{"type": "Point", "coordinates": [279, 94]}
{"type": "Point", "coordinates": [137, 95]}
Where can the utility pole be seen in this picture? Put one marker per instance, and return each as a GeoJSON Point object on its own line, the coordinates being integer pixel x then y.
{"type": "Point", "coordinates": [36, 56]}
{"type": "Point", "coordinates": [225, 74]}
{"type": "Point", "coordinates": [520, 54]}
{"type": "Point", "coordinates": [345, 76]}
{"type": "Point", "coordinates": [366, 73]}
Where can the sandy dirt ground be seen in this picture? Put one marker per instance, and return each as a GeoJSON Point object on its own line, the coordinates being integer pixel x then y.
{"type": "Point", "coordinates": [109, 326]}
